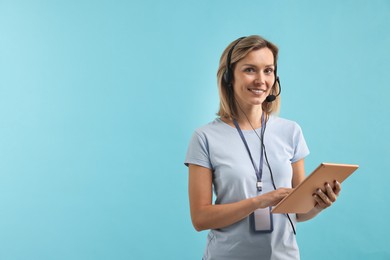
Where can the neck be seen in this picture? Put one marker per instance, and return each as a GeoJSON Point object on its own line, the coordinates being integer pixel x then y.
{"type": "Point", "coordinates": [249, 117]}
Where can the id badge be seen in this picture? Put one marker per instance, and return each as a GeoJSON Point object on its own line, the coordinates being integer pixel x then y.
{"type": "Point", "coordinates": [263, 220]}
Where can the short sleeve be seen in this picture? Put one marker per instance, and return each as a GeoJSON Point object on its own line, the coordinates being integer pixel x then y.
{"type": "Point", "coordinates": [300, 147]}
{"type": "Point", "coordinates": [198, 151]}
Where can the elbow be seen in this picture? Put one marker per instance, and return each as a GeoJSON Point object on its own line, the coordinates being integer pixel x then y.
{"type": "Point", "coordinates": [198, 225]}
{"type": "Point", "coordinates": [198, 228]}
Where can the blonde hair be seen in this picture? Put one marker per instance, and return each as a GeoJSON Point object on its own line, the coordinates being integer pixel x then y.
{"type": "Point", "coordinates": [241, 47]}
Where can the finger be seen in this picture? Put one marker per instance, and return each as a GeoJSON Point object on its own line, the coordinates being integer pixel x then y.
{"type": "Point", "coordinates": [337, 187]}
{"type": "Point", "coordinates": [320, 202]}
{"type": "Point", "coordinates": [324, 197]}
{"type": "Point", "coordinates": [330, 193]}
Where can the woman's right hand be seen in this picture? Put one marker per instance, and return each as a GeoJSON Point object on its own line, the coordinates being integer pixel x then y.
{"type": "Point", "coordinates": [272, 198]}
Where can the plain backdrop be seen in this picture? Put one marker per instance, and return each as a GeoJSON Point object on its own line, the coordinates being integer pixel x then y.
{"type": "Point", "coordinates": [98, 101]}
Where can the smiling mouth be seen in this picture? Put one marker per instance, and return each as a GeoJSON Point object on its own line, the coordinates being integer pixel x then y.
{"type": "Point", "coordinates": [256, 91]}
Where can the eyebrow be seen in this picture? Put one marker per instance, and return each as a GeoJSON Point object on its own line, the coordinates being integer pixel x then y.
{"type": "Point", "coordinates": [271, 65]}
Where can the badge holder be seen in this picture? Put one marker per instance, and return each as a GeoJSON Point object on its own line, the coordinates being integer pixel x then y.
{"type": "Point", "coordinates": [262, 221]}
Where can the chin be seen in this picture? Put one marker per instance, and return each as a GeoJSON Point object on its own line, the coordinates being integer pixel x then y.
{"type": "Point", "coordinates": [258, 102]}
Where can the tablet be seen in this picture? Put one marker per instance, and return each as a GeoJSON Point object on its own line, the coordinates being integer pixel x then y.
{"type": "Point", "coordinates": [301, 200]}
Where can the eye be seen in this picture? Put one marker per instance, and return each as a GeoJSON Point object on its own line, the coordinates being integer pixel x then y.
{"type": "Point", "coordinates": [249, 70]}
{"type": "Point", "coordinates": [269, 71]}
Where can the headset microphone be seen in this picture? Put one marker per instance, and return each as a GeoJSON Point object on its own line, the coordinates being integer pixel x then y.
{"type": "Point", "coordinates": [271, 97]}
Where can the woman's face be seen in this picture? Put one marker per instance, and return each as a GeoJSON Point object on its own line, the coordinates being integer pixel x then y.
{"type": "Point", "coordinates": [254, 77]}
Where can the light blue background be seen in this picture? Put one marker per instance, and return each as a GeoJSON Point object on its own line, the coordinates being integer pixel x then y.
{"type": "Point", "coordinates": [98, 100]}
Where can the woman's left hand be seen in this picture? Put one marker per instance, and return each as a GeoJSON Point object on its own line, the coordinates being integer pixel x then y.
{"type": "Point", "coordinates": [328, 196]}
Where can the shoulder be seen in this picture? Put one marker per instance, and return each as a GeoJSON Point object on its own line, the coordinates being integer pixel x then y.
{"type": "Point", "coordinates": [280, 122]}
{"type": "Point", "coordinates": [284, 127]}
{"type": "Point", "coordinates": [214, 127]}
{"type": "Point", "coordinates": [214, 133]}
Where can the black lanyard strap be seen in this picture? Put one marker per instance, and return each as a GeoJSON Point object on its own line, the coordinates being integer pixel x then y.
{"type": "Point", "coordinates": [259, 172]}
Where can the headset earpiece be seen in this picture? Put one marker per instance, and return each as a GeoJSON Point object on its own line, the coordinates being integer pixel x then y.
{"type": "Point", "coordinates": [228, 75]}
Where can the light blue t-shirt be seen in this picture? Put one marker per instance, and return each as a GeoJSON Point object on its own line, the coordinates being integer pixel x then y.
{"type": "Point", "coordinates": [219, 147]}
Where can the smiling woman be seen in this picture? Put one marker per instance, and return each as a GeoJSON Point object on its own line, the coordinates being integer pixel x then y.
{"type": "Point", "coordinates": [240, 221]}
{"type": "Point", "coordinates": [98, 101]}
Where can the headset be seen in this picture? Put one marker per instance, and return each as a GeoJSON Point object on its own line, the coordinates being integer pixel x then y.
{"type": "Point", "coordinates": [228, 74]}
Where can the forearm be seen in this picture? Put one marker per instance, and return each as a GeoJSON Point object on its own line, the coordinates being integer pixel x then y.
{"type": "Point", "coordinates": [309, 215]}
{"type": "Point", "coordinates": [206, 215]}
{"type": "Point", "coordinates": [222, 215]}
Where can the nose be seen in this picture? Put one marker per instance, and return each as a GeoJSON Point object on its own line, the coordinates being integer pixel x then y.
{"type": "Point", "coordinates": [260, 78]}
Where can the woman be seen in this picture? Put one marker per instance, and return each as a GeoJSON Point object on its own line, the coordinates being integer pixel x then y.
{"type": "Point", "coordinates": [224, 155]}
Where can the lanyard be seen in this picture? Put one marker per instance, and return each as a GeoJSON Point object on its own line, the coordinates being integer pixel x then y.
{"type": "Point", "coordinates": [259, 172]}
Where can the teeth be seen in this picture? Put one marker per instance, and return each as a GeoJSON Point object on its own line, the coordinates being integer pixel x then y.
{"type": "Point", "coordinates": [257, 91]}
